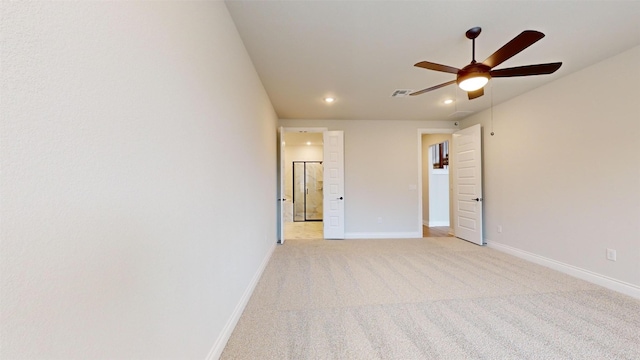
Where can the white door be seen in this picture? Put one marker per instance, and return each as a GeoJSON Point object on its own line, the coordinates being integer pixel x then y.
{"type": "Point", "coordinates": [333, 187]}
{"type": "Point", "coordinates": [281, 198]}
{"type": "Point", "coordinates": [467, 184]}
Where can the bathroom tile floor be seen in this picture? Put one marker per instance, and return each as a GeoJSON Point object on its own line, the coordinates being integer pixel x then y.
{"type": "Point", "coordinates": [303, 230]}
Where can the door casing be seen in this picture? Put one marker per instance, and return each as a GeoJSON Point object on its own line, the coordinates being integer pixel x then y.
{"type": "Point", "coordinates": [281, 166]}
{"type": "Point", "coordinates": [420, 179]}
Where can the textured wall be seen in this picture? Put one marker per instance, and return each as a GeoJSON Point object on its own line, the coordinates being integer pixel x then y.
{"type": "Point", "coordinates": [132, 138]}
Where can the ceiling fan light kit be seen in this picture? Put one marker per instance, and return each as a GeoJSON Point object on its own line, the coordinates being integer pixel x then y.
{"type": "Point", "coordinates": [473, 81]}
{"type": "Point", "coordinates": [473, 77]}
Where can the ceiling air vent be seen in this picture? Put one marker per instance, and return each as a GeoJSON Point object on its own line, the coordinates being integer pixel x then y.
{"type": "Point", "coordinates": [401, 93]}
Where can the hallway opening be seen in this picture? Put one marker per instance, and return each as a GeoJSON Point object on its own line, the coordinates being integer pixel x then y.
{"type": "Point", "coordinates": [435, 182]}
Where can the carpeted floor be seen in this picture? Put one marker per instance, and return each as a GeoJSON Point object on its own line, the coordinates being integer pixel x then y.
{"type": "Point", "coordinates": [431, 298]}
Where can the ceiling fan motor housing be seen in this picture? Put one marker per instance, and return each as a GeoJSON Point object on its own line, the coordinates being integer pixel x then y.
{"type": "Point", "coordinates": [473, 70]}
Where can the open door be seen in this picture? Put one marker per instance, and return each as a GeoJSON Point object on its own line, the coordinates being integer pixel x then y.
{"type": "Point", "coordinates": [281, 198]}
{"type": "Point", "coordinates": [333, 178]}
{"type": "Point", "coordinates": [467, 184]}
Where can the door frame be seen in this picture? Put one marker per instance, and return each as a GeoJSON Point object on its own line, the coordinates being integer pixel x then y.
{"type": "Point", "coordinates": [280, 189]}
{"type": "Point", "coordinates": [281, 168]}
{"type": "Point", "coordinates": [420, 179]}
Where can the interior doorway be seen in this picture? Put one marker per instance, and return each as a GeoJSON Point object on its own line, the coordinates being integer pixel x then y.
{"type": "Point", "coordinates": [303, 183]}
{"type": "Point", "coordinates": [435, 178]}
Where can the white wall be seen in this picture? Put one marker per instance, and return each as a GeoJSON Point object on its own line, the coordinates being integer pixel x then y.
{"type": "Point", "coordinates": [439, 197]}
{"type": "Point", "coordinates": [131, 138]}
{"type": "Point", "coordinates": [381, 174]}
{"type": "Point", "coordinates": [562, 173]}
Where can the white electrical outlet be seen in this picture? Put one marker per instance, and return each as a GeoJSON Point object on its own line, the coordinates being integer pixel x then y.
{"type": "Point", "coordinates": [499, 228]}
{"type": "Point", "coordinates": [611, 254]}
{"type": "Point", "coordinates": [379, 220]}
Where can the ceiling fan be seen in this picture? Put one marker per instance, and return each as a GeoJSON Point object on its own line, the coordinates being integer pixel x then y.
{"type": "Point", "coordinates": [473, 77]}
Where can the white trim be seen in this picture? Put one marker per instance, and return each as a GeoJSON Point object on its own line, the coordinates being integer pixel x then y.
{"type": "Point", "coordinates": [590, 276]}
{"type": "Point", "coordinates": [420, 133]}
{"type": "Point", "coordinates": [280, 148]}
{"type": "Point", "coordinates": [438, 223]}
{"type": "Point", "coordinates": [383, 235]}
{"type": "Point", "coordinates": [225, 334]}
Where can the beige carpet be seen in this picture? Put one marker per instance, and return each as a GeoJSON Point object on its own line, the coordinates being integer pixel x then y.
{"type": "Point", "coordinates": [432, 298]}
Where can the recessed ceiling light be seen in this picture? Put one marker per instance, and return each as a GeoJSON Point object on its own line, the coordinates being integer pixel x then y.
{"type": "Point", "coordinates": [448, 101]}
{"type": "Point", "coordinates": [329, 100]}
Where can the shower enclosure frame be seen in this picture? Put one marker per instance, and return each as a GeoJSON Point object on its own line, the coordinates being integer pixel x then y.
{"type": "Point", "coordinates": [305, 192]}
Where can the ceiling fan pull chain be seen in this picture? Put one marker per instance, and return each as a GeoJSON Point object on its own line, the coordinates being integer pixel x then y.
{"type": "Point", "coordinates": [492, 133]}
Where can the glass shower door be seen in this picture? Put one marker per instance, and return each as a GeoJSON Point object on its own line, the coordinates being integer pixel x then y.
{"type": "Point", "coordinates": [307, 191]}
{"type": "Point", "coordinates": [299, 190]}
{"type": "Point", "coordinates": [313, 203]}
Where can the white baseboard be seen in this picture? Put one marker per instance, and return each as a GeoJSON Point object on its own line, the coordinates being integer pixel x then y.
{"type": "Point", "coordinates": [383, 235]}
{"type": "Point", "coordinates": [590, 276]}
{"type": "Point", "coordinates": [225, 334]}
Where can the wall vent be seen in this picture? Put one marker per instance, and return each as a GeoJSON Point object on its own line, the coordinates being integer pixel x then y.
{"type": "Point", "coordinates": [401, 93]}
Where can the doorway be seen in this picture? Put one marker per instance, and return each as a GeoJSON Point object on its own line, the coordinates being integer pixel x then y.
{"type": "Point", "coordinates": [435, 177]}
{"type": "Point", "coordinates": [303, 184]}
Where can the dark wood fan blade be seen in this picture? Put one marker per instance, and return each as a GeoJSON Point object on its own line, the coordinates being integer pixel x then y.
{"type": "Point", "coordinates": [475, 94]}
{"type": "Point", "coordinates": [517, 44]}
{"type": "Point", "coordinates": [433, 88]}
{"type": "Point", "coordinates": [538, 69]}
{"type": "Point", "coordinates": [437, 67]}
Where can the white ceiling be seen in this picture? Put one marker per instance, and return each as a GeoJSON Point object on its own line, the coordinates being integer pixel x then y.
{"type": "Point", "coordinates": [361, 51]}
